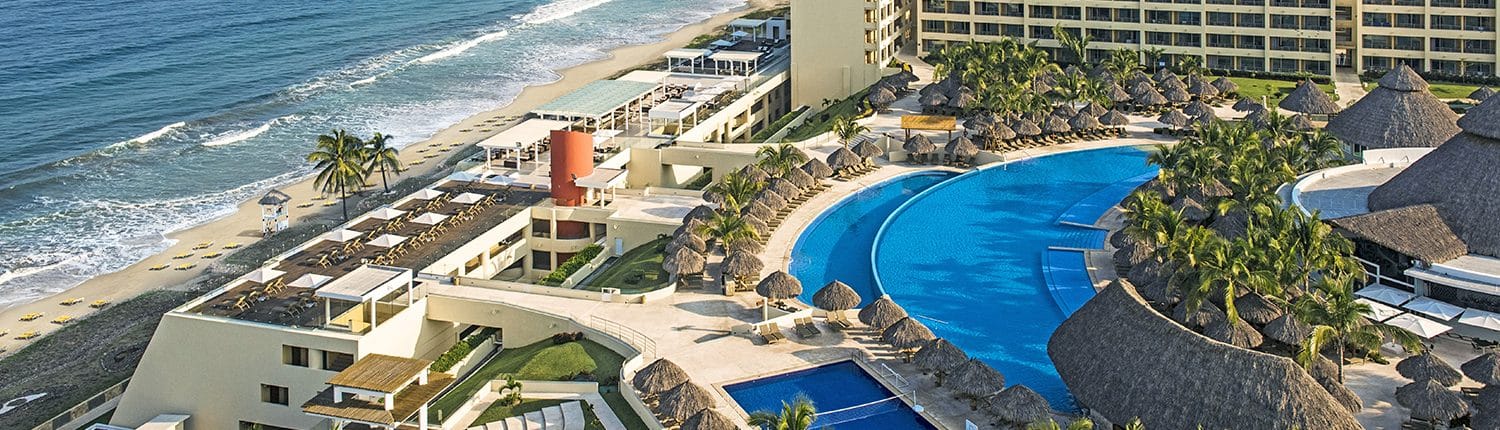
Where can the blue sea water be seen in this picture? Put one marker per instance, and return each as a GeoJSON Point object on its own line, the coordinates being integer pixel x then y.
{"type": "Point", "coordinates": [128, 119]}
{"type": "Point", "coordinates": [845, 396]}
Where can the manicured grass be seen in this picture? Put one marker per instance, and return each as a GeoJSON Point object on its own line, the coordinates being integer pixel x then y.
{"type": "Point", "coordinates": [642, 264]}
{"type": "Point", "coordinates": [822, 122]}
{"type": "Point", "coordinates": [497, 412]}
{"type": "Point", "coordinates": [546, 362]}
{"type": "Point", "coordinates": [1444, 90]}
{"type": "Point", "coordinates": [1274, 90]}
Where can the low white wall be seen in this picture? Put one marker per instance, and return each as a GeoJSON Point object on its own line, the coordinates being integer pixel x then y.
{"type": "Point", "coordinates": [557, 387]}
{"type": "Point", "coordinates": [544, 290]}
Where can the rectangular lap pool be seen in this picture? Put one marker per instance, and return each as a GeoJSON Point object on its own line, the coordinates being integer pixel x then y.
{"type": "Point", "coordinates": [845, 395]}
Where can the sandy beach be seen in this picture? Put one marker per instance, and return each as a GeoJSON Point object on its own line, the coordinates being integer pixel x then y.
{"type": "Point", "coordinates": [243, 227]}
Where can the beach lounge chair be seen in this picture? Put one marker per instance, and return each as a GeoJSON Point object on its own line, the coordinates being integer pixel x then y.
{"type": "Point", "coordinates": [327, 204]}
{"type": "Point", "coordinates": [162, 266]}
{"type": "Point", "coordinates": [72, 301]}
{"type": "Point", "coordinates": [28, 335]}
{"type": "Point", "coordinates": [233, 245]}
{"type": "Point", "coordinates": [203, 245]}
{"type": "Point", "coordinates": [62, 319]}
{"type": "Point", "coordinates": [188, 266]}
{"type": "Point", "coordinates": [838, 321]}
{"type": "Point", "coordinates": [31, 316]}
{"type": "Point", "coordinates": [99, 303]}
{"type": "Point", "coordinates": [770, 333]}
{"type": "Point", "coordinates": [212, 255]}
{"type": "Point", "coordinates": [806, 328]}
{"type": "Point", "coordinates": [182, 255]}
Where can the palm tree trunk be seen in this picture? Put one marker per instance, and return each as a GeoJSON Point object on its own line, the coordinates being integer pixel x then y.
{"type": "Point", "coordinates": [383, 181]}
{"type": "Point", "coordinates": [1341, 359]}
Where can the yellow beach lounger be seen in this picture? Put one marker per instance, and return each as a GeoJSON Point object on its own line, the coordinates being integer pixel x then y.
{"type": "Point", "coordinates": [29, 335]}
{"type": "Point", "coordinates": [233, 245]}
{"type": "Point", "coordinates": [72, 301]}
{"type": "Point", "coordinates": [183, 255]}
{"type": "Point", "coordinates": [162, 266]}
{"type": "Point", "coordinates": [212, 255]}
{"type": "Point", "coordinates": [329, 204]}
{"type": "Point", "coordinates": [99, 303]}
{"type": "Point", "coordinates": [203, 245]}
{"type": "Point", "coordinates": [63, 319]}
{"type": "Point", "coordinates": [187, 266]}
{"type": "Point", "coordinates": [31, 316]}
{"type": "Point", "coordinates": [305, 205]}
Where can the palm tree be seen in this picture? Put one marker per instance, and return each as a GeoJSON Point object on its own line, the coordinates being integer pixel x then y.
{"type": "Point", "coordinates": [1122, 63]}
{"type": "Point", "coordinates": [380, 156]}
{"type": "Point", "coordinates": [1076, 45]}
{"type": "Point", "coordinates": [737, 190]}
{"type": "Point", "coordinates": [1225, 268]}
{"type": "Point", "coordinates": [1082, 423]}
{"type": "Point", "coordinates": [1339, 321]}
{"type": "Point", "coordinates": [797, 415]}
{"type": "Point", "coordinates": [340, 159]}
{"type": "Point", "coordinates": [779, 159]}
{"type": "Point", "coordinates": [847, 129]}
{"type": "Point", "coordinates": [729, 229]}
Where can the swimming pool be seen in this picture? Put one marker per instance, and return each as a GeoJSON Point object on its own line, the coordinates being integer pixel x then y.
{"type": "Point", "coordinates": [844, 394]}
{"type": "Point", "coordinates": [836, 245]}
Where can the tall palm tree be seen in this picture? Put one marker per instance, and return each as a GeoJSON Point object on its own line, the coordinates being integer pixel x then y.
{"type": "Point", "coordinates": [1076, 45]}
{"type": "Point", "coordinates": [729, 229]}
{"type": "Point", "coordinates": [847, 129]}
{"type": "Point", "coordinates": [1339, 321]}
{"type": "Point", "coordinates": [380, 156]}
{"type": "Point", "coordinates": [779, 159]}
{"type": "Point", "coordinates": [1122, 63]}
{"type": "Point", "coordinates": [340, 159]}
{"type": "Point", "coordinates": [1225, 268]}
{"type": "Point", "coordinates": [737, 190]}
{"type": "Point", "coordinates": [797, 415]}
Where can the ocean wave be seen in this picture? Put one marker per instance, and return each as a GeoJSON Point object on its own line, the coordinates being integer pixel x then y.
{"type": "Point", "coordinates": [460, 47]}
{"type": "Point", "coordinates": [558, 10]}
{"type": "Point", "coordinates": [148, 137]}
{"type": "Point", "coordinates": [240, 136]}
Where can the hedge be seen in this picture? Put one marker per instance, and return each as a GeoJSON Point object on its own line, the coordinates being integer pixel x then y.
{"type": "Point", "coordinates": [567, 268]}
{"type": "Point", "coordinates": [461, 350]}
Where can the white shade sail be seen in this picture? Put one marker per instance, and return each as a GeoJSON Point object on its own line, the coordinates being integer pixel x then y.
{"type": "Point", "coordinates": [468, 198]}
{"type": "Point", "coordinates": [311, 280]}
{"type": "Point", "coordinates": [1385, 294]}
{"type": "Point", "coordinates": [263, 275]}
{"type": "Point", "coordinates": [1419, 326]}
{"type": "Point", "coordinates": [427, 194]}
{"type": "Point", "coordinates": [343, 235]}
{"type": "Point", "coordinates": [387, 240]}
{"type": "Point", "coordinates": [429, 218]}
{"type": "Point", "coordinates": [387, 213]}
{"type": "Point", "coordinates": [1379, 311]}
{"type": "Point", "coordinates": [1482, 319]}
{"type": "Point", "coordinates": [1434, 308]}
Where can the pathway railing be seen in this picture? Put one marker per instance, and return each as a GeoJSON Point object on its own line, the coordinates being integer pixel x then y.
{"type": "Point", "coordinates": [645, 344]}
{"type": "Point", "coordinates": [82, 410]}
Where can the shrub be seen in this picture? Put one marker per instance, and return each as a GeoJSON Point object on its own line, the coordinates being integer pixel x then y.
{"type": "Point", "coordinates": [460, 350]}
{"type": "Point", "coordinates": [567, 268]}
{"type": "Point", "coordinates": [562, 338]}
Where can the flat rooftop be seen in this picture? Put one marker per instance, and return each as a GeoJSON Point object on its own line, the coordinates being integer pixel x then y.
{"type": "Point", "coordinates": [659, 209]}
{"type": "Point", "coordinates": [1342, 192]}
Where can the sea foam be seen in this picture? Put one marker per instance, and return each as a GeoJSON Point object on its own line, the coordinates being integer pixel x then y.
{"type": "Point", "coordinates": [148, 137]}
{"type": "Point", "coordinates": [460, 47]}
{"type": "Point", "coordinates": [558, 10]}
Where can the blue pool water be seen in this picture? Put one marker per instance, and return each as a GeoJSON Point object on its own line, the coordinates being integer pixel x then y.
{"type": "Point", "coordinates": [842, 392]}
{"type": "Point", "coordinates": [836, 246]}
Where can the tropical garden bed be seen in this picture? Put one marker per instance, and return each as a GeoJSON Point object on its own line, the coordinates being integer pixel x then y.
{"type": "Point", "coordinates": [638, 271]}
{"type": "Point", "coordinates": [547, 361]}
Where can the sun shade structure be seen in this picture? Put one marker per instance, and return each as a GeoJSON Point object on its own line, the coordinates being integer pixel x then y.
{"type": "Point", "coordinates": [779, 285]}
{"type": "Point", "coordinates": [867, 149]}
{"type": "Point", "coordinates": [1287, 329]}
{"type": "Point", "coordinates": [1103, 367]}
{"type": "Point", "coordinates": [387, 213]}
{"type": "Point", "coordinates": [836, 296]}
{"type": "Point", "coordinates": [881, 313]}
{"type": "Point", "coordinates": [1174, 118]}
{"type": "Point", "coordinates": [962, 146]}
{"type": "Point", "coordinates": [1019, 405]}
{"type": "Point", "coordinates": [1225, 85]}
{"type": "Point", "coordinates": [427, 194]}
{"type": "Point", "coordinates": [1247, 105]}
{"type": "Point", "coordinates": [919, 144]}
{"type": "Point", "coordinates": [741, 264]}
{"type": "Point", "coordinates": [1239, 333]}
{"type": "Point", "coordinates": [659, 376]}
{"type": "Point", "coordinates": [1309, 99]}
{"type": "Point", "coordinates": [1428, 367]}
{"type": "Point", "coordinates": [707, 419]}
{"type": "Point", "coordinates": [343, 235]}
{"type": "Point", "coordinates": [685, 400]}
{"type": "Point", "coordinates": [907, 333]}
{"type": "Point", "coordinates": [597, 100]}
{"type": "Point", "coordinates": [938, 355]}
{"type": "Point", "coordinates": [976, 379]}
{"type": "Point", "coordinates": [1418, 231]}
{"type": "Point", "coordinates": [1433, 308]}
{"type": "Point", "coordinates": [683, 261]}
{"type": "Point", "coordinates": [1484, 368]}
{"type": "Point", "coordinates": [311, 280]}
{"type": "Point", "coordinates": [1481, 94]}
{"type": "Point", "coordinates": [468, 198]}
{"type": "Point", "coordinates": [843, 158]}
{"type": "Point", "coordinates": [1379, 311]}
{"type": "Point", "coordinates": [405, 384]}
{"type": "Point", "coordinates": [387, 241]}
{"type": "Point", "coordinates": [263, 275]}
{"type": "Point", "coordinates": [429, 218]}
{"type": "Point", "coordinates": [1479, 318]}
{"type": "Point", "coordinates": [1430, 401]}
{"type": "Point", "coordinates": [1419, 326]}
{"type": "Point", "coordinates": [817, 168]}
{"type": "Point", "coordinates": [1400, 113]}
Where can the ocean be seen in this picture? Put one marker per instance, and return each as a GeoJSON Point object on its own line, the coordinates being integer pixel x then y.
{"type": "Point", "coordinates": [126, 120]}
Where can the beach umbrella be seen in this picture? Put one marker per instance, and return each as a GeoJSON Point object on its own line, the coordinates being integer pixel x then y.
{"type": "Point", "coordinates": [778, 285]}
{"type": "Point", "coordinates": [881, 97]}
{"type": "Point", "coordinates": [1197, 108]}
{"type": "Point", "coordinates": [932, 88]}
{"type": "Point", "coordinates": [1301, 123]}
{"type": "Point", "coordinates": [1151, 97]}
{"type": "Point", "coordinates": [1056, 125]}
{"type": "Point", "coordinates": [1114, 118]}
{"type": "Point", "coordinates": [800, 178]}
{"type": "Point", "coordinates": [1430, 401]}
{"type": "Point", "coordinates": [759, 225]}
{"type": "Point", "coordinates": [701, 213]}
{"type": "Point", "coordinates": [1094, 109]}
{"type": "Point", "coordinates": [919, 144]}
{"type": "Point", "coordinates": [427, 194]}
{"type": "Point", "coordinates": [1481, 94]}
{"type": "Point", "coordinates": [1206, 314]}
{"type": "Point", "coordinates": [343, 235]}
{"type": "Point", "coordinates": [1026, 128]}
{"type": "Point", "coordinates": [1323, 368]}
{"type": "Point", "coordinates": [1246, 105]}
{"type": "Point", "coordinates": [689, 240]}
{"type": "Point", "coordinates": [1341, 394]}
{"type": "Point", "coordinates": [907, 333]}
{"type": "Point", "coordinates": [1133, 254]}
{"type": "Point", "coordinates": [1064, 110]}
{"type": "Point", "coordinates": [759, 210]}
{"type": "Point", "coordinates": [836, 297]}
{"type": "Point", "coordinates": [387, 241]}
{"type": "Point", "coordinates": [1174, 118]}
{"type": "Point", "coordinates": [1484, 368]}
{"type": "Point", "coordinates": [980, 122]}
{"type": "Point", "coordinates": [1019, 405]}
{"type": "Point", "coordinates": [1001, 132]}
{"type": "Point", "coordinates": [755, 173]}
{"type": "Point", "coordinates": [1172, 83]}
{"type": "Point", "coordinates": [746, 246]}
{"type": "Point", "coordinates": [684, 401]}
{"type": "Point", "coordinates": [843, 158]}
{"type": "Point", "coordinates": [1163, 74]}
{"type": "Point", "coordinates": [741, 264]}
{"type": "Point", "coordinates": [1145, 272]}
{"type": "Point", "coordinates": [387, 213]}
{"type": "Point", "coordinates": [688, 227]}
{"type": "Point", "coordinates": [1117, 94]}
{"type": "Point", "coordinates": [881, 313]}
{"type": "Point", "coordinates": [817, 168]}
{"type": "Point", "coordinates": [707, 419]}
{"type": "Point", "coordinates": [715, 199]}
{"type": "Point", "coordinates": [1287, 329]}
{"type": "Point", "coordinates": [1226, 86]}
{"type": "Point", "coordinates": [1428, 367]}
{"type": "Point", "coordinates": [933, 100]}
{"type": "Point", "coordinates": [1201, 89]}
{"type": "Point", "coordinates": [1084, 121]}
{"type": "Point", "coordinates": [659, 376]}
{"type": "Point", "coordinates": [1177, 95]}
{"type": "Point", "coordinates": [939, 355]}
{"type": "Point", "coordinates": [867, 149]}
{"type": "Point", "coordinates": [783, 188]}
{"type": "Point", "coordinates": [1140, 88]}
{"type": "Point", "coordinates": [962, 101]}
{"type": "Point", "coordinates": [311, 280]}
{"type": "Point", "coordinates": [1488, 399]}
{"type": "Point", "coordinates": [429, 218]}
{"type": "Point", "coordinates": [977, 380]}
{"type": "Point", "coordinates": [962, 146]}
{"type": "Point", "coordinates": [1309, 99]}
{"type": "Point", "coordinates": [771, 199]}
{"type": "Point", "coordinates": [1239, 333]}
{"type": "Point", "coordinates": [1190, 208]}
{"type": "Point", "coordinates": [1256, 309]}
{"type": "Point", "coordinates": [1256, 117]}
{"type": "Point", "coordinates": [468, 198]}
{"type": "Point", "coordinates": [1484, 419]}
{"type": "Point", "coordinates": [683, 261]}
{"type": "Point", "coordinates": [1040, 86]}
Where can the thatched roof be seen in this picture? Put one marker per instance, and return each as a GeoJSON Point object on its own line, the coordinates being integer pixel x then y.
{"type": "Point", "coordinates": [755, 173]}
{"type": "Point", "coordinates": [1177, 95]}
{"type": "Point", "coordinates": [836, 296]}
{"type": "Point", "coordinates": [1226, 86]}
{"type": "Point", "coordinates": [707, 419]}
{"type": "Point", "coordinates": [1094, 109]}
{"type": "Point", "coordinates": [688, 240]}
{"type": "Point", "coordinates": [881, 313]}
{"type": "Point", "coordinates": [1232, 225]}
{"type": "Point", "coordinates": [683, 261]}
{"type": "Point", "coordinates": [881, 97]}
{"type": "Point", "coordinates": [1002, 132]}
{"type": "Point", "coordinates": [1056, 124]}
{"type": "Point", "coordinates": [1481, 94]}
{"type": "Point", "coordinates": [867, 149]}
{"type": "Point", "coordinates": [1025, 128]}
{"type": "Point", "coordinates": [962, 101]}
{"type": "Point", "coordinates": [1020, 405]}
{"type": "Point", "coordinates": [685, 400]}
{"type": "Point", "coordinates": [1484, 419]}
{"type": "Point", "coordinates": [1117, 94]}
{"type": "Point", "coordinates": [1198, 87]}
{"type": "Point", "coordinates": [907, 333]}
{"type": "Point", "coordinates": [757, 224]}
{"type": "Point", "coordinates": [977, 379]}
{"type": "Point", "coordinates": [1400, 113]}
{"type": "Point", "coordinates": [739, 264]}
{"type": "Point", "coordinates": [919, 144]}
{"type": "Point", "coordinates": [1418, 231]}
{"type": "Point", "coordinates": [817, 168]}
{"type": "Point", "coordinates": [933, 100]}
{"type": "Point", "coordinates": [1206, 314]}
{"type": "Point", "coordinates": [1239, 333]}
{"type": "Point", "coordinates": [688, 227]}
{"type": "Point", "coordinates": [980, 122]}
{"type": "Point", "coordinates": [843, 158]}
{"type": "Point", "coordinates": [1488, 399]}
{"type": "Point", "coordinates": [1133, 253]}
{"type": "Point", "coordinates": [779, 285]}
{"type": "Point", "coordinates": [1139, 88]}
{"type": "Point", "coordinates": [659, 376]}
{"type": "Point", "coordinates": [1171, 83]}
{"type": "Point", "coordinates": [1287, 329]}
{"type": "Point", "coordinates": [1428, 367]}
{"type": "Point", "coordinates": [800, 178]}
{"type": "Point", "coordinates": [783, 188]}
{"type": "Point", "coordinates": [1114, 118]}
{"type": "Point", "coordinates": [1256, 309]}
{"type": "Point", "coordinates": [1108, 347]}
{"type": "Point", "coordinates": [770, 199]}
{"type": "Point", "coordinates": [1191, 208]}
{"type": "Point", "coordinates": [1197, 108]}
{"type": "Point", "coordinates": [1084, 121]}
{"type": "Point", "coordinates": [714, 198]}
{"type": "Point", "coordinates": [1163, 74]}
{"type": "Point", "coordinates": [1343, 395]}
{"type": "Point", "coordinates": [1485, 369]}
{"type": "Point", "coordinates": [1300, 122]}
{"type": "Point", "coordinates": [1146, 272]}
{"type": "Point", "coordinates": [758, 210]}
{"type": "Point", "coordinates": [1247, 105]}
{"type": "Point", "coordinates": [701, 213]}
{"type": "Point", "coordinates": [938, 355]}
{"type": "Point", "coordinates": [274, 197]}
{"type": "Point", "coordinates": [962, 146]}
{"type": "Point", "coordinates": [1309, 99]}
{"type": "Point", "coordinates": [1174, 118]}
{"type": "Point", "coordinates": [746, 246]}
{"type": "Point", "coordinates": [1064, 110]}
{"type": "Point", "coordinates": [1430, 401]}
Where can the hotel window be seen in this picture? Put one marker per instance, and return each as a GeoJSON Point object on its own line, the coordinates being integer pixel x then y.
{"type": "Point", "coordinates": [1283, 65]}
{"type": "Point", "coordinates": [987, 29]}
{"type": "Point", "coordinates": [541, 260]}
{"type": "Point", "coordinates": [1343, 13]}
{"type": "Point", "coordinates": [933, 26]}
{"type": "Point", "coordinates": [541, 228]}
{"type": "Point", "coordinates": [1252, 42]}
{"type": "Point", "coordinates": [1479, 4]}
{"type": "Point", "coordinates": [986, 8]}
{"type": "Point", "coordinates": [1377, 19]}
{"type": "Point", "coordinates": [1479, 46]}
{"type": "Point", "coordinates": [1158, 17]}
{"type": "Point", "coordinates": [1251, 2]}
{"type": "Point", "coordinates": [1480, 69]}
{"type": "Point", "coordinates": [1479, 23]}
{"type": "Point", "coordinates": [1446, 3]}
{"type": "Point", "coordinates": [1411, 2]}
{"type": "Point", "coordinates": [274, 395]}
{"type": "Point", "coordinates": [1251, 20]}
{"type": "Point", "coordinates": [958, 27]}
{"type": "Point", "coordinates": [337, 361]}
{"type": "Point", "coordinates": [1409, 20]}
{"type": "Point", "coordinates": [1315, 45]}
{"type": "Point", "coordinates": [1376, 42]}
{"type": "Point", "coordinates": [1013, 30]}
{"type": "Point", "coordinates": [1444, 45]}
{"type": "Point", "coordinates": [1127, 36]}
{"type": "Point", "coordinates": [1315, 4]}
{"type": "Point", "coordinates": [1284, 21]}
{"type": "Point", "coordinates": [1220, 62]}
{"type": "Point", "coordinates": [1041, 12]}
{"type": "Point", "coordinates": [1284, 3]}
{"type": "Point", "coordinates": [1220, 1]}
{"type": "Point", "coordinates": [958, 7]}
{"type": "Point", "coordinates": [1445, 66]}
{"type": "Point", "coordinates": [935, 6]}
{"type": "Point", "coordinates": [1222, 19]}
{"type": "Point", "coordinates": [1189, 18]}
{"type": "Point", "coordinates": [294, 356]}
{"type": "Point", "coordinates": [1101, 35]}
{"type": "Point", "coordinates": [1127, 15]}
{"type": "Point", "coordinates": [1041, 32]}
{"type": "Point", "coordinates": [1378, 2]}
{"type": "Point", "coordinates": [1283, 44]}
{"type": "Point", "coordinates": [1188, 39]}
{"type": "Point", "coordinates": [1100, 14]}
{"type": "Point", "coordinates": [1406, 43]}
{"type": "Point", "coordinates": [1069, 12]}
{"type": "Point", "coordinates": [1320, 23]}
{"type": "Point", "coordinates": [1254, 64]}
{"type": "Point", "coordinates": [1013, 9]}
{"type": "Point", "coordinates": [1445, 22]}
{"type": "Point", "coordinates": [1221, 41]}
{"type": "Point", "coordinates": [1315, 67]}
{"type": "Point", "coordinates": [1158, 38]}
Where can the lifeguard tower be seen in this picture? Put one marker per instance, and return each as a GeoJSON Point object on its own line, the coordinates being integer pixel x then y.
{"type": "Point", "coordinates": [273, 214]}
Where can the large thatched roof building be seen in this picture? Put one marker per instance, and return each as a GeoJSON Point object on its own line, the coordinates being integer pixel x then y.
{"type": "Point", "coordinates": [1123, 359]}
{"type": "Point", "coordinates": [1400, 113]}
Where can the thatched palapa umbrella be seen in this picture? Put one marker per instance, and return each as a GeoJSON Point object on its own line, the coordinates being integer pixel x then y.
{"type": "Point", "coordinates": [739, 265]}
{"type": "Point", "coordinates": [770, 199]}
{"type": "Point", "coordinates": [1287, 329]}
{"type": "Point", "coordinates": [933, 100]}
{"type": "Point", "coordinates": [1430, 401]}
{"type": "Point", "coordinates": [836, 297]}
{"type": "Point", "coordinates": [1239, 333]}
{"type": "Point", "coordinates": [961, 147]}
{"type": "Point", "coordinates": [1481, 94]}
{"type": "Point", "coordinates": [801, 179]}
{"type": "Point", "coordinates": [1197, 108]}
{"type": "Point", "coordinates": [881, 97]}
{"type": "Point", "coordinates": [817, 168]}
{"type": "Point", "coordinates": [701, 213]}
{"type": "Point", "coordinates": [1247, 105]}
{"type": "Point", "coordinates": [919, 144]}
{"type": "Point", "coordinates": [1056, 125]}
{"type": "Point", "coordinates": [784, 188]}
{"type": "Point", "coordinates": [843, 158]}
{"type": "Point", "coordinates": [1174, 118]}
{"type": "Point", "coordinates": [1256, 309]}
{"type": "Point", "coordinates": [779, 285]}
{"type": "Point", "coordinates": [980, 122]}
{"type": "Point", "coordinates": [941, 357]}
{"type": "Point", "coordinates": [1084, 121]}
{"type": "Point", "coordinates": [688, 240]}
{"type": "Point", "coordinates": [881, 313]}
{"type": "Point", "coordinates": [1150, 97]}
{"type": "Point", "coordinates": [1025, 128]}
{"type": "Point", "coordinates": [1400, 113]}
{"type": "Point", "coordinates": [1488, 399]}
{"type": "Point", "coordinates": [1206, 314]}
{"type": "Point", "coordinates": [714, 198]}
{"type": "Point", "coordinates": [1142, 87]}
{"type": "Point", "coordinates": [1117, 94]}
{"type": "Point", "coordinates": [1064, 110]}
{"type": "Point", "coordinates": [1114, 118]}
{"type": "Point", "coordinates": [658, 377]}
{"type": "Point", "coordinates": [1001, 132]}
{"type": "Point", "coordinates": [907, 334]}
{"type": "Point", "coordinates": [684, 401]}
{"type": "Point", "coordinates": [1133, 254]}
{"type": "Point", "coordinates": [1428, 367]}
{"type": "Point", "coordinates": [1163, 74]}
{"type": "Point", "coordinates": [977, 380]}
{"type": "Point", "coordinates": [755, 174]}
{"type": "Point", "coordinates": [707, 419]}
{"type": "Point", "coordinates": [1019, 405]}
{"type": "Point", "coordinates": [1094, 109]}
{"type": "Point", "coordinates": [1191, 208]}
{"type": "Point", "coordinates": [1226, 86]}
{"type": "Point", "coordinates": [1484, 368]}
{"type": "Point", "coordinates": [1301, 123]}
{"type": "Point", "coordinates": [747, 246]}
{"type": "Point", "coordinates": [1173, 83]}
{"type": "Point", "coordinates": [758, 210]}
{"type": "Point", "coordinates": [1309, 99]}
{"type": "Point", "coordinates": [962, 101]}
{"type": "Point", "coordinates": [1201, 89]}
{"type": "Point", "coordinates": [867, 149]}
{"type": "Point", "coordinates": [1177, 95]}
{"type": "Point", "coordinates": [682, 262]}
{"type": "Point", "coordinates": [1341, 394]}
{"type": "Point", "coordinates": [759, 225]}
{"type": "Point", "coordinates": [688, 227]}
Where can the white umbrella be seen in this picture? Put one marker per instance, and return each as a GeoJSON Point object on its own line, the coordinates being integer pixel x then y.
{"type": "Point", "coordinates": [468, 198]}
{"type": "Point", "coordinates": [464, 177]}
{"type": "Point", "coordinates": [387, 240]}
{"type": "Point", "coordinates": [1434, 308]}
{"type": "Point", "coordinates": [311, 280]}
{"type": "Point", "coordinates": [1385, 294]}
{"type": "Point", "coordinates": [429, 218]}
{"type": "Point", "coordinates": [1378, 311]}
{"type": "Point", "coordinates": [387, 213]}
{"type": "Point", "coordinates": [263, 275]}
{"type": "Point", "coordinates": [1478, 318]}
{"type": "Point", "coordinates": [343, 235]}
{"type": "Point", "coordinates": [1419, 326]}
{"type": "Point", "coordinates": [427, 194]}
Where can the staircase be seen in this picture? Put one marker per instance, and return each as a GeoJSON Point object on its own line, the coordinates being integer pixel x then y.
{"type": "Point", "coordinates": [567, 416]}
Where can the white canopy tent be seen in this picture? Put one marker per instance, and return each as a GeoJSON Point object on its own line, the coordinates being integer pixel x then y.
{"type": "Point", "coordinates": [1434, 308]}
{"type": "Point", "coordinates": [387, 213]}
{"type": "Point", "coordinates": [602, 180]}
{"type": "Point", "coordinates": [468, 198]}
{"type": "Point", "coordinates": [1385, 294]}
{"type": "Point", "coordinates": [686, 59]}
{"type": "Point", "coordinates": [263, 275]}
{"type": "Point", "coordinates": [678, 111]}
{"type": "Point", "coordinates": [427, 194]}
{"type": "Point", "coordinates": [520, 138]}
{"type": "Point", "coordinates": [742, 63]}
{"type": "Point", "coordinates": [343, 235]}
{"type": "Point", "coordinates": [311, 280]}
{"type": "Point", "coordinates": [746, 27]}
{"type": "Point", "coordinates": [1481, 319]}
{"type": "Point", "coordinates": [1419, 326]}
{"type": "Point", "coordinates": [429, 218]}
{"type": "Point", "coordinates": [1379, 311]}
{"type": "Point", "coordinates": [387, 241]}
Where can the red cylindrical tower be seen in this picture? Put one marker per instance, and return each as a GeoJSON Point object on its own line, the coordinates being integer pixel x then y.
{"type": "Point", "coordinates": [572, 158]}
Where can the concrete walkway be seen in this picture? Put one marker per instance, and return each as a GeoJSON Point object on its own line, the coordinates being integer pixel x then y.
{"type": "Point", "coordinates": [1346, 84]}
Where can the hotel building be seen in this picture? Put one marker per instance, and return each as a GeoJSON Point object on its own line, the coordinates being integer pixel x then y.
{"type": "Point", "coordinates": [1314, 36]}
{"type": "Point", "coordinates": [825, 64]}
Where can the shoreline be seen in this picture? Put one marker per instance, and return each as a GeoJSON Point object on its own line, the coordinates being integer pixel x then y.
{"type": "Point", "coordinates": [243, 226]}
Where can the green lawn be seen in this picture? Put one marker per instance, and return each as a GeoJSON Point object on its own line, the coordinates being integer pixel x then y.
{"type": "Point", "coordinates": [497, 412]}
{"type": "Point", "coordinates": [822, 122]}
{"type": "Point", "coordinates": [543, 361]}
{"type": "Point", "coordinates": [639, 270]}
{"type": "Point", "coordinates": [1274, 90]}
{"type": "Point", "coordinates": [1443, 90]}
